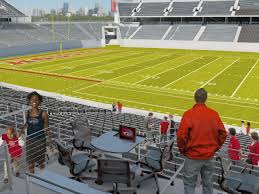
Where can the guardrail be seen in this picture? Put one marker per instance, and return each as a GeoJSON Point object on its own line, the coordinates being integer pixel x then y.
{"type": "Point", "coordinates": [28, 175]}
{"type": "Point", "coordinates": [56, 131]}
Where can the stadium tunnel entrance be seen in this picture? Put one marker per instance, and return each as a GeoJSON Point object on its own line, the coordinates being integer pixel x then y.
{"type": "Point", "coordinates": [110, 35]}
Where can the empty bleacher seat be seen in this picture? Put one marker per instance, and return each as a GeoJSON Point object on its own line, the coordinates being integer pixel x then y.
{"type": "Point", "coordinates": [216, 7]}
{"type": "Point", "coordinates": [223, 33]}
{"type": "Point", "coordinates": [152, 9]}
{"type": "Point", "coordinates": [9, 10]}
{"type": "Point", "coordinates": [249, 33]}
{"type": "Point", "coordinates": [154, 32]}
{"type": "Point", "coordinates": [183, 32]}
{"type": "Point", "coordinates": [248, 7]}
{"type": "Point", "coordinates": [29, 34]}
{"type": "Point", "coordinates": [183, 8]}
{"type": "Point", "coordinates": [127, 31]}
{"type": "Point", "coordinates": [125, 9]}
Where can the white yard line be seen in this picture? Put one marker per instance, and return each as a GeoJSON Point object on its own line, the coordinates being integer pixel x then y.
{"type": "Point", "coordinates": [146, 67]}
{"type": "Point", "coordinates": [234, 93]}
{"type": "Point", "coordinates": [155, 90]}
{"type": "Point", "coordinates": [57, 59]}
{"type": "Point", "coordinates": [177, 92]}
{"type": "Point", "coordinates": [129, 58]}
{"type": "Point", "coordinates": [85, 59]}
{"type": "Point", "coordinates": [166, 70]}
{"type": "Point", "coordinates": [166, 107]}
{"type": "Point", "coordinates": [176, 96]}
{"type": "Point", "coordinates": [58, 63]}
{"type": "Point", "coordinates": [95, 55]}
{"type": "Point", "coordinates": [191, 72]}
{"type": "Point", "coordinates": [219, 73]}
{"type": "Point", "coordinates": [124, 74]}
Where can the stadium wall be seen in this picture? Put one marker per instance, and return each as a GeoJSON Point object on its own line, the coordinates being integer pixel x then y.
{"type": "Point", "coordinates": [47, 47]}
{"type": "Point", "coordinates": [194, 45]}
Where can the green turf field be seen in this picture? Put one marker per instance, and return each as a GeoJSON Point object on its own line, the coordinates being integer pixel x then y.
{"type": "Point", "coordinates": [161, 80]}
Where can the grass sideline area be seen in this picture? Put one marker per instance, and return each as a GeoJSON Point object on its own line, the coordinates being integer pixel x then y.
{"type": "Point", "coordinates": [161, 80]}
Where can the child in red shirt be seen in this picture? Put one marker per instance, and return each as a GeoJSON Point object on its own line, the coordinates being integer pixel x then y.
{"type": "Point", "coordinates": [253, 157]}
{"type": "Point", "coordinates": [234, 148]}
{"type": "Point", "coordinates": [14, 144]}
{"type": "Point", "coordinates": [164, 129]}
{"type": "Point", "coordinates": [119, 105]}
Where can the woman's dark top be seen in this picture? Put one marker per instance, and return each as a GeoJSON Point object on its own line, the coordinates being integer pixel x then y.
{"type": "Point", "coordinates": [35, 129]}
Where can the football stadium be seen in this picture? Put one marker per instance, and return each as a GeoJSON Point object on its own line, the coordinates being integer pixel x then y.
{"type": "Point", "coordinates": [159, 97]}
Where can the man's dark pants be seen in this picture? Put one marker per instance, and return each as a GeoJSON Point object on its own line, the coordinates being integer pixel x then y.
{"type": "Point", "coordinates": [191, 170]}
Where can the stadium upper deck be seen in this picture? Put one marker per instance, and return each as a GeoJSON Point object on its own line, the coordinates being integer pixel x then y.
{"type": "Point", "coordinates": [7, 10]}
{"type": "Point", "coordinates": [187, 8]}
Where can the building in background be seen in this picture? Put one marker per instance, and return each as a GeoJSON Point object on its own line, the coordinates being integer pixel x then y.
{"type": "Point", "coordinates": [65, 8]}
{"type": "Point", "coordinates": [53, 12]}
{"type": "Point", "coordinates": [38, 12]}
{"type": "Point", "coordinates": [83, 11]}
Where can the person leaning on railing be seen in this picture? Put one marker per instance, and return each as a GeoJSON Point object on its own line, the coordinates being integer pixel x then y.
{"type": "Point", "coordinates": [37, 124]}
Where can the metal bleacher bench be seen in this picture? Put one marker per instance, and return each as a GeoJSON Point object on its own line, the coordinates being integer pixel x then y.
{"type": "Point", "coordinates": [59, 184]}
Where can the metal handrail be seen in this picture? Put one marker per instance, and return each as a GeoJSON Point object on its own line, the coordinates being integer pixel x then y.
{"type": "Point", "coordinates": [15, 112]}
{"type": "Point", "coordinates": [46, 181]}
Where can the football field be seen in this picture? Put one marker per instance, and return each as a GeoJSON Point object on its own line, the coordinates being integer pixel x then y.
{"type": "Point", "coordinates": [161, 80]}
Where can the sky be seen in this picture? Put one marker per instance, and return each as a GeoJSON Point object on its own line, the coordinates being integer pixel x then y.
{"type": "Point", "coordinates": [55, 4]}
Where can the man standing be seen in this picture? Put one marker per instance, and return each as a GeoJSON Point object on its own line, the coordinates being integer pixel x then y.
{"type": "Point", "coordinates": [149, 125]}
{"type": "Point", "coordinates": [164, 129]}
{"type": "Point", "coordinates": [201, 133]}
{"type": "Point", "coordinates": [172, 125]}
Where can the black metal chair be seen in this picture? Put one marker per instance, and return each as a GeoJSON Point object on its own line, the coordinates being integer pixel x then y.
{"type": "Point", "coordinates": [77, 163]}
{"type": "Point", "coordinates": [115, 171]}
{"type": "Point", "coordinates": [155, 161]}
{"type": "Point", "coordinates": [82, 135]}
{"type": "Point", "coordinates": [237, 182]}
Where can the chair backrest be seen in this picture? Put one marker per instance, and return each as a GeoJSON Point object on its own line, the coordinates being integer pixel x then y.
{"type": "Point", "coordinates": [225, 162]}
{"type": "Point", "coordinates": [65, 154]}
{"type": "Point", "coordinates": [113, 171]}
{"type": "Point", "coordinates": [167, 153]}
{"type": "Point", "coordinates": [81, 128]}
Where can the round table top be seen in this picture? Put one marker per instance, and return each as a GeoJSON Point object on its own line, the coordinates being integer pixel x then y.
{"type": "Point", "coordinates": [111, 142]}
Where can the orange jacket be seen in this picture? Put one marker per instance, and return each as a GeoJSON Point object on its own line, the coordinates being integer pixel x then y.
{"type": "Point", "coordinates": [201, 133]}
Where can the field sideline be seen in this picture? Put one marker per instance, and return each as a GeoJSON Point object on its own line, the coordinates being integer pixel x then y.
{"type": "Point", "coordinates": [161, 80]}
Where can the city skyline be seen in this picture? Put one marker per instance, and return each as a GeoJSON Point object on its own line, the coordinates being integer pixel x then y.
{"type": "Point", "coordinates": [28, 5]}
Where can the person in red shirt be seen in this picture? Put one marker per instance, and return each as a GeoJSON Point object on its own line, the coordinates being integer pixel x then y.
{"type": "Point", "coordinates": [234, 148]}
{"type": "Point", "coordinates": [119, 105]}
{"type": "Point", "coordinates": [14, 144]}
{"type": "Point", "coordinates": [164, 129]}
{"type": "Point", "coordinates": [201, 133]}
{"type": "Point", "coordinates": [248, 127]}
{"type": "Point", "coordinates": [253, 157]}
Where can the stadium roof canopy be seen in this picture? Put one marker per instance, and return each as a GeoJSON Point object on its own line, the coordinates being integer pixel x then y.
{"type": "Point", "coordinates": [7, 10]}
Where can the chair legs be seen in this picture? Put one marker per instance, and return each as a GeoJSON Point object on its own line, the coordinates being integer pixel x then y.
{"type": "Point", "coordinates": [150, 176]}
{"type": "Point", "coordinates": [157, 184]}
{"type": "Point", "coordinates": [116, 190]}
{"type": "Point", "coordinates": [82, 179]}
